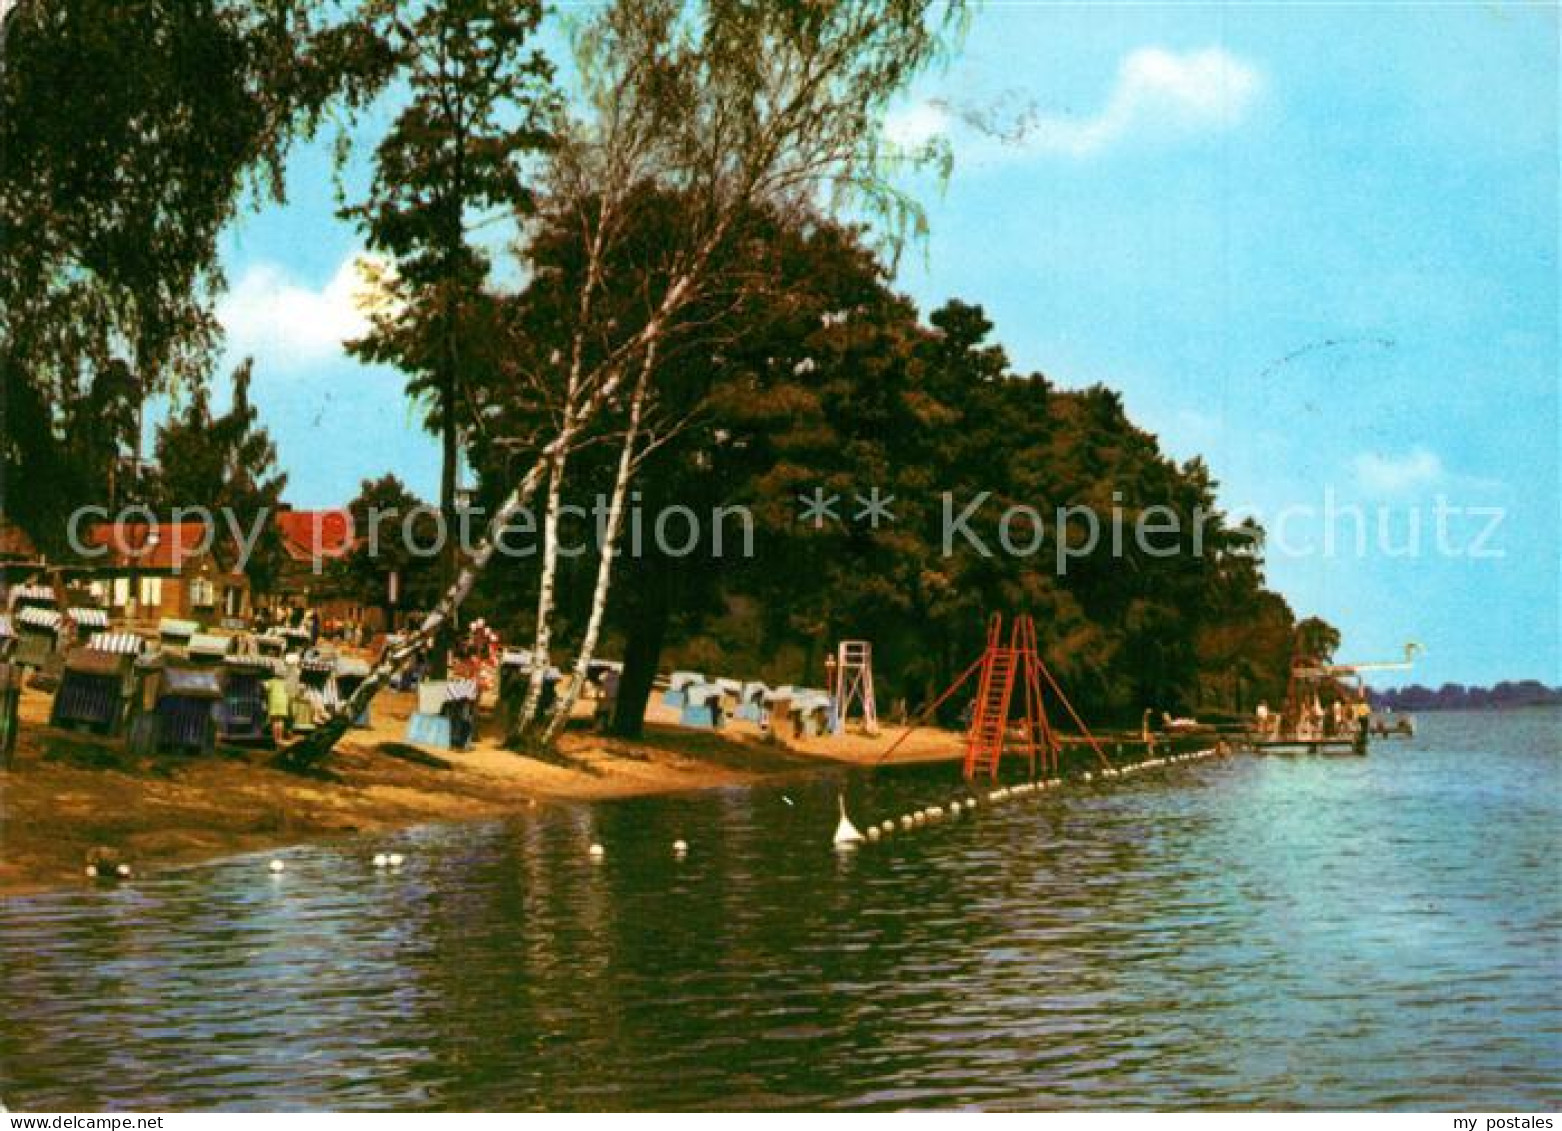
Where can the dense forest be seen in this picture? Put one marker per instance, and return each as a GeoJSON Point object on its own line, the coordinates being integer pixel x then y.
{"type": "Point", "coordinates": [846, 390]}
{"type": "Point", "coordinates": [696, 326]}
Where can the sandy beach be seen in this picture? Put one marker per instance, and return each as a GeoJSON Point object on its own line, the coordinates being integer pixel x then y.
{"type": "Point", "coordinates": [66, 793]}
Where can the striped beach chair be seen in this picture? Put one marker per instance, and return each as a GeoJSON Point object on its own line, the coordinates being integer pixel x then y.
{"type": "Point", "coordinates": [243, 717]}
{"type": "Point", "coordinates": [188, 705]}
{"type": "Point", "coordinates": [97, 684]}
{"type": "Point", "coordinates": [701, 706]}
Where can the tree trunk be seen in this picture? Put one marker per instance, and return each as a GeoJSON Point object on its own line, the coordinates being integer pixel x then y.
{"type": "Point", "coordinates": [642, 655]}
{"type": "Point", "coordinates": [439, 653]}
{"type": "Point", "coordinates": [542, 640]}
{"type": "Point", "coordinates": [606, 552]}
{"type": "Point", "coordinates": [450, 441]}
{"type": "Point", "coordinates": [314, 747]}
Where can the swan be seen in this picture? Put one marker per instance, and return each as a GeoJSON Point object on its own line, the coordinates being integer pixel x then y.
{"type": "Point", "coordinates": [845, 831]}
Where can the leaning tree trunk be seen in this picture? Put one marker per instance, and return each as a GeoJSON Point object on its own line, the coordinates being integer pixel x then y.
{"type": "Point", "coordinates": [606, 552]}
{"type": "Point", "coordinates": [315, 746]}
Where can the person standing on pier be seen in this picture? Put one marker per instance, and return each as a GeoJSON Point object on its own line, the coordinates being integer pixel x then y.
{"type": "Point", "coordinates": [1363, 713]}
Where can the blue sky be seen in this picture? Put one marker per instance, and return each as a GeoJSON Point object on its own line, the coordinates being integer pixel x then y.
{"type": "Point", "coordinates": [1315, 244]}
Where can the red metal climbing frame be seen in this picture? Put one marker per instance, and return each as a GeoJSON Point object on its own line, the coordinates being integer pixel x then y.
{"type": "Point", "coordinates": [1002, 667]}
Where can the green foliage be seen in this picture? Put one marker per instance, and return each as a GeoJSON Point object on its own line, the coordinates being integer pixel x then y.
{"type": "Point", "coordinates": [808, 372]}
{"type": "Point", "coordinates": [479, 105]}
{"type": "Point", "coordinates": [227, 464]}
{"type": "Point", "coordinates": [128, 131]}
{"type": "Point", "coordinates": [1316, 640]}
{"type": "Point", "coordinates": [390, 523]}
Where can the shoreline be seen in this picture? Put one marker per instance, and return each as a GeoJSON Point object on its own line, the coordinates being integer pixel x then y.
{"type": "Point", "coordinates": [65, 794]}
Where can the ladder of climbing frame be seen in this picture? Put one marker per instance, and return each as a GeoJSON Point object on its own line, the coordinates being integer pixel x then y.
{"type": "Point", "coordinates": [1004, 666]}
{"type": "Point", "coordinates": [990, 713]}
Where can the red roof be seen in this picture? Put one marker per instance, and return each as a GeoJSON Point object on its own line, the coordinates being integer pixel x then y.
{"type": "Point", "coordinates": [140, 545]}
{"type": "Point", "coordinates": [307, 535]}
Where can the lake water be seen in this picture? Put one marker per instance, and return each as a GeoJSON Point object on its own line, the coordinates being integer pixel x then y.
{"type": "Point", "coordinates": [1275, 932]}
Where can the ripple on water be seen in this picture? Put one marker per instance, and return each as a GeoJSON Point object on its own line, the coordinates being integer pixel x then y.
{"type": "Point", "coordinates": [1285, 933]}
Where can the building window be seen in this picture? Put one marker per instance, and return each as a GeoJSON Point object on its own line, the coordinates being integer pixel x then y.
{"type": "Point", "coordinates": [203, 594]}
{"type": "Point", "coordinates": [121, 592]}
{"type": "Point", "coordinates": [151, 594]}
{"type": "Point", "coordinates": [233, 601]}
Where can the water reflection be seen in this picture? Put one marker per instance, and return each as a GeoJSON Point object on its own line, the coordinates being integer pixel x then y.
{"type": "Point", "coordinates": [1303, 933]}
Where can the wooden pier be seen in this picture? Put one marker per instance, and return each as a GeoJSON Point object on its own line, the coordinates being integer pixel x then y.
{"type": "Point", "coordinates": [1339, 744]}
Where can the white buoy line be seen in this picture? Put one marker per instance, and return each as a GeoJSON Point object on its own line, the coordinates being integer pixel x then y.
{"type": "Point", "coordinates": [847, 835]}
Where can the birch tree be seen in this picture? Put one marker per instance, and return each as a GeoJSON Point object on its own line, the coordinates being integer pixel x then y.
{"type": "Point", "coordinates": [607, 551]}
{"type": "Point", "coordinates": [608, 146]}
{"type": "Point", "coordinates": [623, 277]}
{"type": "Point", "coordinates": [732, 105]}
{"type": "Point", "coordinates": [674, 378]}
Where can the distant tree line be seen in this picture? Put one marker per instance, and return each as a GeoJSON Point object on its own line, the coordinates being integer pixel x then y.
{"type": "Point", "coordinates": [1456, 696]}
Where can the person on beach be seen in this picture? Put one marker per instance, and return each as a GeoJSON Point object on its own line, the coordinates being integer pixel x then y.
{"type": "Point", "coordinates": [277, 707]}
{"type": "Point", "coordinates": [607, 700]}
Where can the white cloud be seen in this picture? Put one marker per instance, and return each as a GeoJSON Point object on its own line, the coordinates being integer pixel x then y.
{"type": "Point", "coordinates": [270, 315]}
{"type": "Point", "coordinates": [1209, 89]}
{"type": "Point", "coordinates": [1389, 475]}
{"type": "Point", "coordinates": [1157, 93]}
